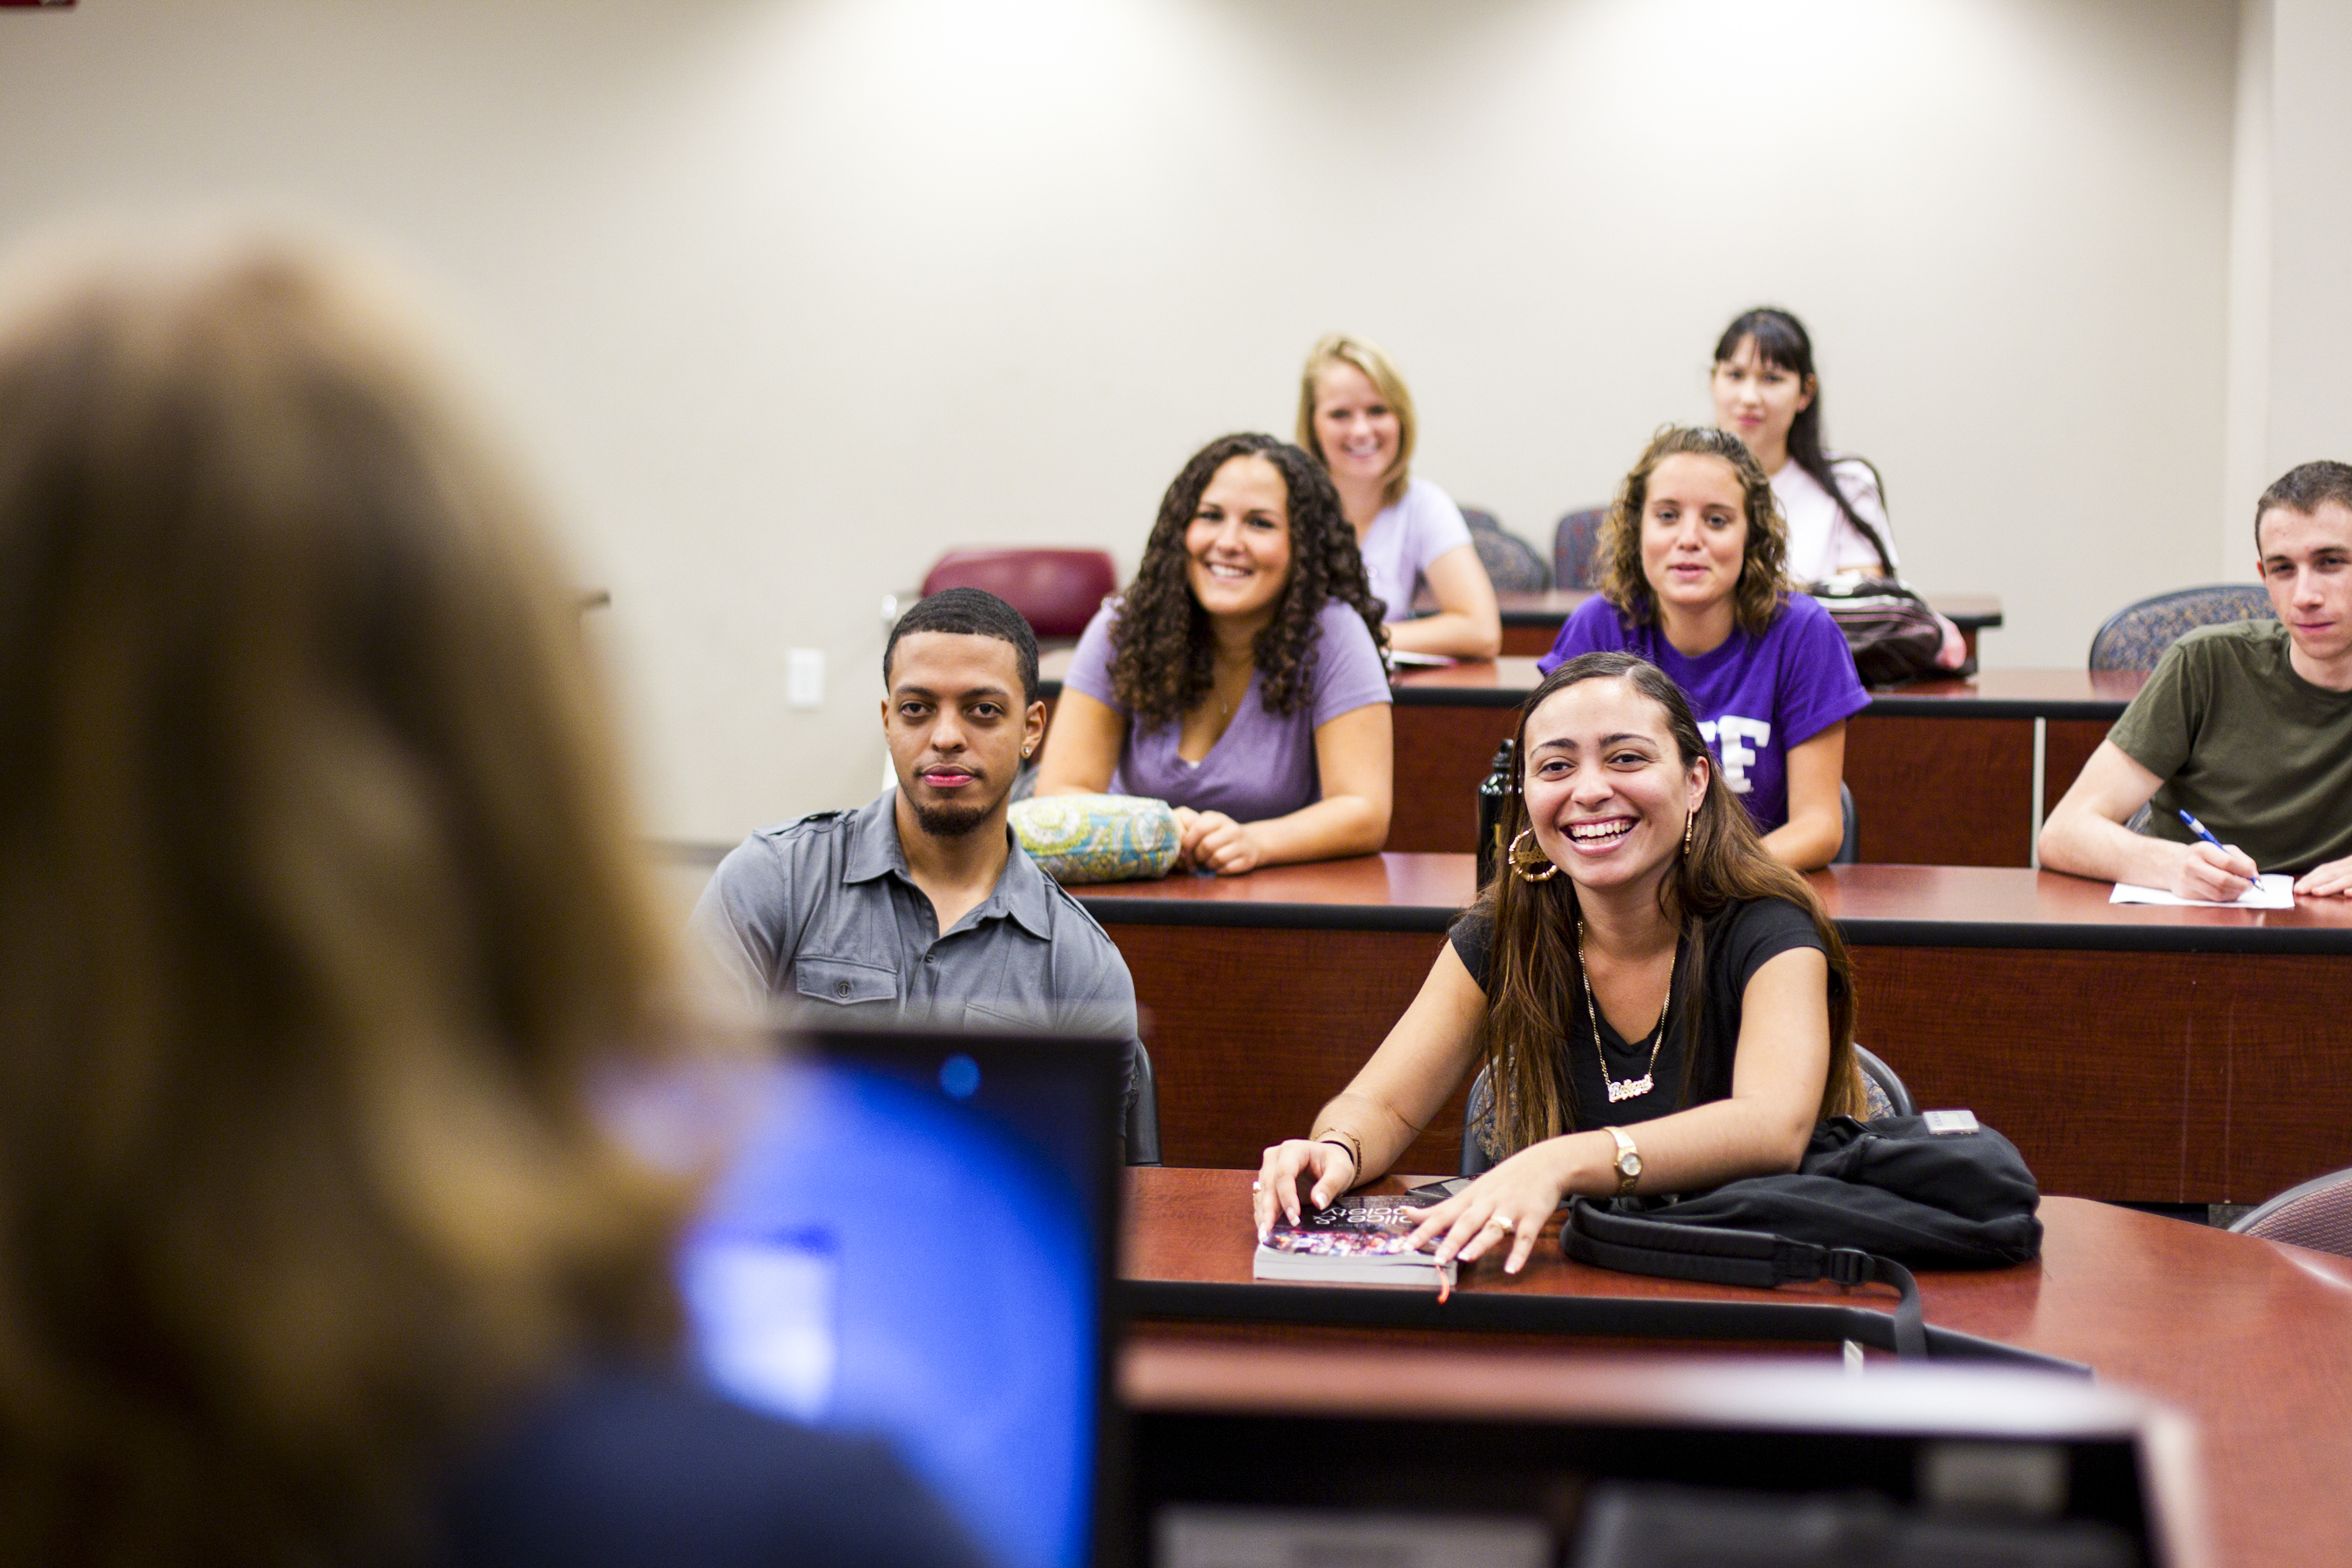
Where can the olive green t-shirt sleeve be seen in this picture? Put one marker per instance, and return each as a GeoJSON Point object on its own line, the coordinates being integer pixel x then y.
{"type": "Point", "coordinates": [2158, 731]}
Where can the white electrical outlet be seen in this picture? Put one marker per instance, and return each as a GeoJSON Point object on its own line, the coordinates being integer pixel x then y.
{"type": "Point", "coordinates": [804, 677]}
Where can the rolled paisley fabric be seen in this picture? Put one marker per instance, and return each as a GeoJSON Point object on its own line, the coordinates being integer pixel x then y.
{"type": "Point", "coordinates": [1097, 838]}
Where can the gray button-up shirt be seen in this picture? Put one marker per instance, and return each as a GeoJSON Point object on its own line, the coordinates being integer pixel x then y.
{"type": "Point", "coordinates": [822, 912]}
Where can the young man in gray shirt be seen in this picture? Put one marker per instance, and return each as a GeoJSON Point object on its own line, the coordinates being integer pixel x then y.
{"type": "Point", "coordinates": [920, 907]}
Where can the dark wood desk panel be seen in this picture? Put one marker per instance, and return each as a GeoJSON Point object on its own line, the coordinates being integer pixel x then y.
{"type": "Point", "coordinates": [1249, 1038]}
{"type": "Point", "coordinates": [1263, 993]}
{"type": "Point", "coordinates": [1443, 755]}
{"type": "Point", "coordinates": [1942, 791]}
{"type": "Point", "coordinates": [2251, 1339]}
{"type": "Point", "coordinates": [2067, 745]}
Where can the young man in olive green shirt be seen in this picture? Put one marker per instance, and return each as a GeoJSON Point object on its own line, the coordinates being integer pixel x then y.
{"type": "Point", "coordinates": [2247, 726]}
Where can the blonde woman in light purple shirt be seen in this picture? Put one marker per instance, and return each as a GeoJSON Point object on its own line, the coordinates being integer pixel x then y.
{"type": "Point", "coordinates": [1356, 417]}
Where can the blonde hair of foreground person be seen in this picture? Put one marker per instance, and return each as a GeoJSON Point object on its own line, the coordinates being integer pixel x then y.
{"type": "Point", "coordinates": [319, 925]}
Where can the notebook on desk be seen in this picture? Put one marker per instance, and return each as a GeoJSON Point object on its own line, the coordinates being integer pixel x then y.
{"type": "Point", "coordinates": [916, 1243]}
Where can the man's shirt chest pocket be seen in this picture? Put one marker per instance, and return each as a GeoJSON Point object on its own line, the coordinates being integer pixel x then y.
{"type": "Point", "coordinates": [844, 981]}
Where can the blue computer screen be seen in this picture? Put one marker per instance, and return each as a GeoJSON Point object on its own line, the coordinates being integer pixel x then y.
{"type": "Point", "coordinates": [907, 1246]}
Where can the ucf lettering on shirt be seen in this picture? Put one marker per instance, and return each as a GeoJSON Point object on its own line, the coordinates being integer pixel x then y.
{"type": "Point", "coordinates": [1736, 741]}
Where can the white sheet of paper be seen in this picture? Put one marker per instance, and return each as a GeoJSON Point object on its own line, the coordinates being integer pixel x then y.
{"type": "Point", "coordinates": [2271, 891]}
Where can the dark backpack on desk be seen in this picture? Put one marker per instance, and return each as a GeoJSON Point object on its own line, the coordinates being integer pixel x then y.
{"type": "Point", "coordinates": [1869, 1201]}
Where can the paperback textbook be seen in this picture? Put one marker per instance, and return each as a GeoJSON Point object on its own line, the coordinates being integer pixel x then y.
{"type": "Point", "coordinates": [1359, 1240]}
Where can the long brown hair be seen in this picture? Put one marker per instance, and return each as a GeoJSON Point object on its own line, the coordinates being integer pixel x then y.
{"type": "Point", "coordinates": [1533, 988]}
{"type": "Point", "coordinates": [320, 925]}
{"type": "Point", "coordinates": [1160, 647]}
{"type": "Point", "coordinates": [1763, 585]}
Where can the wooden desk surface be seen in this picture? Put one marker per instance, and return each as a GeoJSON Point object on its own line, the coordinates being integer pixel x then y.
{"type": "Point", "coordinates": [1994, 693]}
{"type": "Point", "coordinates": [2251, 1339]}
{"type": "Point", "coordinates": [1875, 906]}
{"type": "Point", "coordinates": [1969, 612]}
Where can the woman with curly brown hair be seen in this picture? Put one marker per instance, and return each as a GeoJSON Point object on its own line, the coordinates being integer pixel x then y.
{"type": "Point", "coordinates": [1642, 966]}
{"type": "Point", "coordinates": [1693, 579]}
{"type": "Point", "coordinates": [325, 947]}
{"type": "Point", "coordinates": [1240, 677]}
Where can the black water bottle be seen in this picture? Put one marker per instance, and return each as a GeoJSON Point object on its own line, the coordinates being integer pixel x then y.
{"type": "Point", "coordinates": [1495, 810]}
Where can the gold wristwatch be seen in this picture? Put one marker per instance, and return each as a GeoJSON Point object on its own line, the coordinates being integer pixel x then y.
{"type": "Point", "coordinates": [1629, 1161]}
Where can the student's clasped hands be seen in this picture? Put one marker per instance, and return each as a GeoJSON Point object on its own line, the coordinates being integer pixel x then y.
{"type": "Point", "coordinates": [1212, 841]}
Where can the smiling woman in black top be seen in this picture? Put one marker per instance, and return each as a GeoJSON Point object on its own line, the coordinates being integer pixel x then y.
{"type": "Point", "coordinates": [1643, 963]}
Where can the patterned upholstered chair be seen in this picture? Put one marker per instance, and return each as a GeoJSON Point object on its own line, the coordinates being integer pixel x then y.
{"type": "Point", "coordinates": [1059, 590]}
{"type": "Point", "coordinates": [1511, 562]}
{"type": "Point", "coordinates": [1573, 544]}
{"type": "Point", "coordinates": [2136, 637]}
{"type": "Point", "coordinates": [2317, 1215]}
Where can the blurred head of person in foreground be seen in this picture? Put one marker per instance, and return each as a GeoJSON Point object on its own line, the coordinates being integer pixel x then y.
{"type": "Point", "coordinates": [322, 936]}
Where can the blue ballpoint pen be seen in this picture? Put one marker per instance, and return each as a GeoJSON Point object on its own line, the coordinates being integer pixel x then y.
{"type": "Point", "coordinates": [2201, 831]}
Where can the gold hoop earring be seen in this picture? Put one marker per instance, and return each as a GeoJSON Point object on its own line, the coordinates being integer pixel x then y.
{"type": "Point", "coordinates": [1523, 860]}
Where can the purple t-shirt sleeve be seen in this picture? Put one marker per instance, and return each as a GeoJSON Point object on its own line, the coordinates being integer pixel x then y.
{"type": "Point", "coordinates": [1089, 668]}
{"type": "Point", "coordinates": [1595, 626]}
{"type": "Point", "coordinates": [1819, 685]}
{"type": "Point", "coordinates": [1347, 672]}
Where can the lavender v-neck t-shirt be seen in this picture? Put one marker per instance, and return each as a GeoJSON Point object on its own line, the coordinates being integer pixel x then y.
{"type": "Point", "coordinates": [1754, 697]}
{"type": "Point", "coordinates": [1263, 764]}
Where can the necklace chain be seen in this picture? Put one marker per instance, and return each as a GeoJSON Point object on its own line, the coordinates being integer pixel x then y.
{"type": "Point", "coordinates": [1632, 1087]}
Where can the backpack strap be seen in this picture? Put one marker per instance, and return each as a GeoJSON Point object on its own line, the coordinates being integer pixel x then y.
{"type": "Point", "coordinates": [1756, 1258]}
{"type": "Point", "coordinates": [1871, 535]}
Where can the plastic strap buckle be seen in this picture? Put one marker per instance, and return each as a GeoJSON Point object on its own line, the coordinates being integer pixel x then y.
{"type": "Point", "coordinates": [1849, 1266]}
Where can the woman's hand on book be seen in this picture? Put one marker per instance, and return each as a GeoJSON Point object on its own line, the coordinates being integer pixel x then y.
{"type": "Point", "coordinates": [1512, 1201]}
{"type": "Point", "coordinates": [1326, 1168]}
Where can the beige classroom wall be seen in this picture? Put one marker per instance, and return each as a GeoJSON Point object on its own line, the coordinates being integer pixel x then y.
{"type": "Point", "coordinates": [788, 295]}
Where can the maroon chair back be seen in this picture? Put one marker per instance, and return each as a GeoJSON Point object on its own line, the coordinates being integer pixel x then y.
{"type": "Point", "coordinates": [1059, 590]}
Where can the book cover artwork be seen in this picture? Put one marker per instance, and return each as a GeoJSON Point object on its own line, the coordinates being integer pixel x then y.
{"type": "Point", "coordinates": [1358, 1240]}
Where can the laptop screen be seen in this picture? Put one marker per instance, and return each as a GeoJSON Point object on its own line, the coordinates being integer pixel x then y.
{"type": "Point", "coordinates": [915, 1243]}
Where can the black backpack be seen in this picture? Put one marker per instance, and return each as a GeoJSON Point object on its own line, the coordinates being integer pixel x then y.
{"type": "Point", "coordinates": [1870, 1201]}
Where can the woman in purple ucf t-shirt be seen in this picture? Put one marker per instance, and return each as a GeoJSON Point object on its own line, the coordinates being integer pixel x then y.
{"type": "Point", "coordinates": [1240, 677]}
{"type": "Point", "coordinates": [1693, 558]}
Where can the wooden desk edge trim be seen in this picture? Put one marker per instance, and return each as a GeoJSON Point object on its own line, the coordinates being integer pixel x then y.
{"type": "Point", "coordinates": [2050, 936]}
{"type": "Point", "coordinates": [1112, 909]}
{"type": "Point", "coordinates": [1533, 615]}
{"type": "Point", "coordinates": [2060, 936]}
{"type": "Point", "coordinates": [1882, 704]}
{"type": "Point", "coordinates": [1616, 1317]}
{"type": "Point", "coordinates": [1893, 704]}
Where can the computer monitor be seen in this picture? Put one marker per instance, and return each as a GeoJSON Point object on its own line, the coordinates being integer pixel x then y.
{"type": "Point", "coordinates": [915, 1242]}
